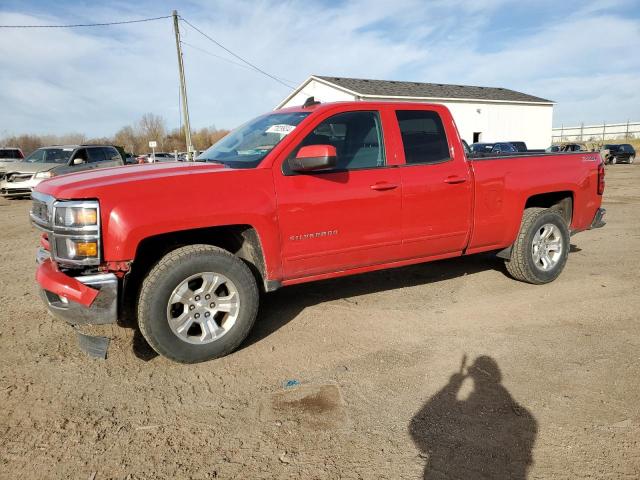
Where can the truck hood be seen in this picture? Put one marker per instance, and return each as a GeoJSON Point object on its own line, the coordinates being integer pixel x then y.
{"type": "Point", "coordinates": [89, 183]}
{"type": "Point", "coordinates": [27, 167]}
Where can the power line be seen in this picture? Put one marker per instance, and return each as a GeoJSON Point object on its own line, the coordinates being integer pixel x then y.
{"type": "Point", "coordinates": [87, 24]}
{"type": "Point", "coordinates": [236, 55]}
{"type": "Point", "coordinates": [237, 64]}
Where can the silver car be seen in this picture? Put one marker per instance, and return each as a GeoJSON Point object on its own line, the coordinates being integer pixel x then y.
{"type": "Point", "coordinates": [18, 179]}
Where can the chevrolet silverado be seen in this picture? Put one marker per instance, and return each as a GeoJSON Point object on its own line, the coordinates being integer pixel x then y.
{"type": "Point", "coordinates": [297, 195]}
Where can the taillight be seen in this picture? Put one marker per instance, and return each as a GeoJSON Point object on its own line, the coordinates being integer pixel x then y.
{"type": "Point", "coordinates": [600, 178]}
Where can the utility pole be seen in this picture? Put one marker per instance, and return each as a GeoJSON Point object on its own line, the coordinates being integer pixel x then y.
{"type": "Point", "coordinates": [183, 88]}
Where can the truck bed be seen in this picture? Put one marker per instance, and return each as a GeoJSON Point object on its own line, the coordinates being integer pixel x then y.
{"type": "Point", "coordinates": [504, 184]}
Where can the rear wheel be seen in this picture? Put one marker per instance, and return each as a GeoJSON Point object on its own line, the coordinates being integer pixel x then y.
{"type": "Point", "coordinates": [198, 303]}
{"type": "Point", "coordinates": [631, 159]}
{"type": "Point", "coordinates": [540, 251]}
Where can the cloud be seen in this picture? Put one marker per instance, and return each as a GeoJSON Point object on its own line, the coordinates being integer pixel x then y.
{"type": "Point", "coordinates": [579, 54]}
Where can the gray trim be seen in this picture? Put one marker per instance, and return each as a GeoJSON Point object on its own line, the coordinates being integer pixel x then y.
{"type": "Point", "coordinates": [390, 88]}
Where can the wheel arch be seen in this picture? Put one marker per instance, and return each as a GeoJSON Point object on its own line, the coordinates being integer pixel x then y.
{"type": "Point", "coordinates": [241, 240]}
{"type": "Point", "coordinates": [560, 201]}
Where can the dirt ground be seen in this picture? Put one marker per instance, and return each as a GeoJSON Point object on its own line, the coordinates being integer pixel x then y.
{"type": "Point", "coordinates": [352, 378]}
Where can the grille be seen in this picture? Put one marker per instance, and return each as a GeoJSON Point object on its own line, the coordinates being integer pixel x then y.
{"type": "Point", "coordinates": [19, 177]}
{"type": "Point", "coordinates": [40, 211]}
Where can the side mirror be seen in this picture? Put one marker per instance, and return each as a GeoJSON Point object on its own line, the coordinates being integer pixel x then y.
{"type": "Point", "coordinates": [78, 161]}
{"type": "Point", "coordinates": [314, 157]}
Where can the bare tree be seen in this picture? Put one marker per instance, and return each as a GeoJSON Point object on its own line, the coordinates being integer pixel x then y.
{"type": "Point", "coordinates": [133, 138]}
{"type": "Point", "coordinates": [152, 127]}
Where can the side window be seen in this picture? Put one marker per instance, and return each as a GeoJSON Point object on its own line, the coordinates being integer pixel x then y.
{"type": "Point", "coordinates": [423, 137]}
{"type": "Point", "coordinates": [357, 137]}
{"type": "Point", "coordinates": [111, 154]}
{"type": "Point", "coordinates": [96, 155]}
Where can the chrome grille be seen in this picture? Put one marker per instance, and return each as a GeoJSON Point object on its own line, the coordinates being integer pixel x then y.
{"type": "Point", "coordinates": [41, 210]}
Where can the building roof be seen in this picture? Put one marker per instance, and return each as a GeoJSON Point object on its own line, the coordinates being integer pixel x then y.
{"type": "Point", "coordinates": [391, 88]}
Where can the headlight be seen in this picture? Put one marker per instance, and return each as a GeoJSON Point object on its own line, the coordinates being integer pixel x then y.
{"type": "Point", "coordinates": [76, 216]}
{"type": "Point", "coordinates": [76, 232]}
{"type": "Point", "coordinates": [43, 175]}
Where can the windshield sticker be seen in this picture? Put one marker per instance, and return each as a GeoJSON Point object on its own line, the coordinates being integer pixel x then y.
{"type": "Point", "coordinates": [282, 129]}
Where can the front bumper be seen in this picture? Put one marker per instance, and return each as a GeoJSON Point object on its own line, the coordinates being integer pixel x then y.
{"type": "Point", "coordinates": [598, 219]}
{"type": "Point", "coordinates": [18, 189]}
{"type": "Point", "coordinates": [82, 300]}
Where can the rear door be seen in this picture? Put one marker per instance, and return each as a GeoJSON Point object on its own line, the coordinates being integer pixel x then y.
{"type": "Point", "coordinates": [346, 217]}
{"type": "Point", "coordinates": [436, 183]}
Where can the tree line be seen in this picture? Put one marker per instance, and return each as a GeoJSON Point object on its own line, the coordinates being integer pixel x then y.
{"type": "Point", "coordinates": [133, 138]}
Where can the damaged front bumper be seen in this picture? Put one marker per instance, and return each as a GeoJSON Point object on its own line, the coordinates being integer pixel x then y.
{"type": "Point", "coordinates": [79, 301]}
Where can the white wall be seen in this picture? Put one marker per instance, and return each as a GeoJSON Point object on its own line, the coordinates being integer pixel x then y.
{"type": "Point", "coordinates": [504, 122]}
{"type": "Point", "coordinates": [319, 91]}
{"type": "Point", "coordinates": [497, 121]}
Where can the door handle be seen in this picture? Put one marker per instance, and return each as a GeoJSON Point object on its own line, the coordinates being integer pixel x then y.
{"type": "Point", "coordinates": [453, 179]}
{"type": "Point", "coordinates": [381, 186]}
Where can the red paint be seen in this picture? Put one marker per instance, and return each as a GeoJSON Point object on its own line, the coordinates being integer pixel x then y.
{"type": "Point", "coordinates": [315, 151]}
{"type": "Point", "coordinates": [324, 225]}
{"type": "Point", "coordinates": [51, 279]}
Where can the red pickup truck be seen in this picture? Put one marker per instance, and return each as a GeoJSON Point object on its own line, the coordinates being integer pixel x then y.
{"type": "Point", "coordinates": [297, 195]}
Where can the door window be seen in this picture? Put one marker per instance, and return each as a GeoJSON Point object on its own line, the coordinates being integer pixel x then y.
{"type": "Point", "coordinates": [356, 136]}
{"type": "Point", "coordinates": [423, 137]}
{"type": "Point", "coordinates": [80, 155]}
{"type": "Point", "coordinates": [96, 155]}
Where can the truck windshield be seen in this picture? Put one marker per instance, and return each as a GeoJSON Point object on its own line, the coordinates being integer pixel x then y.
{"type": "Point", "coordinates": [246, 146]}
{"type": "Point", "coordinates": [50, 155]}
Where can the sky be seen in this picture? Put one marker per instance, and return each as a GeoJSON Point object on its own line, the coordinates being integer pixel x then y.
{"type": "Point", "coordinates": [582, 54]}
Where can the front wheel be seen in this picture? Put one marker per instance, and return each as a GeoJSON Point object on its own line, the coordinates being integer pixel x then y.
{"type": "Point", "coordinates": [198, 303]}
{"type": "Point", "coordinates": [613, 160]}
{"type": "Point", "coordinates": [540, 251]}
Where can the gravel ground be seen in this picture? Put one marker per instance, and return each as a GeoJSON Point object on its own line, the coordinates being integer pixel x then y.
{"type": "Point", "coordinates": [550, 389]}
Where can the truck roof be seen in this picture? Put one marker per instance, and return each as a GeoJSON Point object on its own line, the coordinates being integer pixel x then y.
{"type": "Point", "coordinates": [323, 106]}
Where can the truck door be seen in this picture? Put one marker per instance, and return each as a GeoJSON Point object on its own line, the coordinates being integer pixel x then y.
{"type": "Point", "coordinates": [436, 184]}
{"type": "Point", "coordinates": [345, 217]}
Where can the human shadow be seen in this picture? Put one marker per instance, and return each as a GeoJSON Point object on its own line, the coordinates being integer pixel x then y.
{"type": "Point", "coordinates": [488, 435]}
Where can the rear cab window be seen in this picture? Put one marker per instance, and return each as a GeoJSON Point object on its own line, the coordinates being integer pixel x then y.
{"type": "Point", "coordinates": [10, 153]}
{"type": "Point", "coordinates": [424, 139]}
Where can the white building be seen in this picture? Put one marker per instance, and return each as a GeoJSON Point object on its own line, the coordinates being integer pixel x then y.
{"type": "Point", "coordinates": [482, 114]}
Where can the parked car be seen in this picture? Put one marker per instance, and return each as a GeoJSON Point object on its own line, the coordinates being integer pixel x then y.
{"type": "Point", "coordinates": [620, 153]}
{"type": "Point", "coordinates": [158, 157]}
{"type": "Point", "coordinates": [298, 195]}
{"type": "Point", "coordinates": [567, 147]}
{"type": "Point", "coordinates": [130, 158]}
{"type": "Point", "coordinates": [22, 176]}
{"type": "Point", "coordinates": [10, 154]}
{"type": "Point", "coordinates": [519, 146]}
{"type": "Point", "coordinates": [489, 148]}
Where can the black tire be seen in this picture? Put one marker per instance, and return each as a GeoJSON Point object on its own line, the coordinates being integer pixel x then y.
{"type": "Point", "coordinates": [522, 266]}
{"type": "Point", "coordinates": [173, 269]}
{"type": "Point", "coordinates": [613, 160]}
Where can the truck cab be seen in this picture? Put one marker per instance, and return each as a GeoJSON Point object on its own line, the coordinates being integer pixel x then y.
{"type": "Point", "coordinates": [297, 195]}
